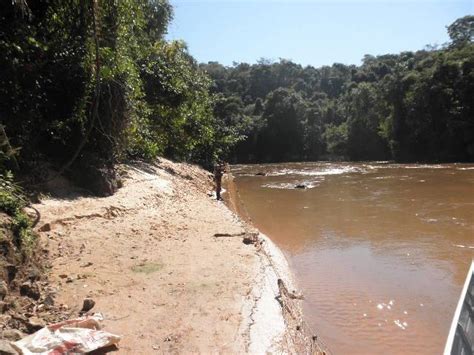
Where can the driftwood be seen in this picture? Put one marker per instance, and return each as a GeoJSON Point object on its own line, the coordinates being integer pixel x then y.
{"type": "Point", "coordinates": [228, 235]}
{"type": "Point", "coordinates": [302, 336]}
{"type": "Point", "coordinates": [249, 237]}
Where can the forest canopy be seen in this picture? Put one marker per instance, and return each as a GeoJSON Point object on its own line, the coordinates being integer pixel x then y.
{"type": "Point", "coordinates": [408, 107]}
{"type": "Point", "coordinates": [93, 82]}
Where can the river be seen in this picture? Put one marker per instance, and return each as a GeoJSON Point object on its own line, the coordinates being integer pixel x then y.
{"type": "Point", "coordinates": [380, 250]}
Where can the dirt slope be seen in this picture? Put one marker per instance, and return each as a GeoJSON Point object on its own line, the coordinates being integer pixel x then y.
{"type": "Point", "coordinates": [135, 253]}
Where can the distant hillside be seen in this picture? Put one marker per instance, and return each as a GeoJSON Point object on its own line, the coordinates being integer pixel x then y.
{"type": "Point", "coordinates": [412, 106]}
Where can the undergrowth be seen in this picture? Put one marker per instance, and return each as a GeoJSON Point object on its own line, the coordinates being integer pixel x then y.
{"type": "Point", "coordinates": [12, 202]}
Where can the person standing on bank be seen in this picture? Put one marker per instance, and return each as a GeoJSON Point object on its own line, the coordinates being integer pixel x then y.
{"type": "Point", "coordinates": [218, 173]}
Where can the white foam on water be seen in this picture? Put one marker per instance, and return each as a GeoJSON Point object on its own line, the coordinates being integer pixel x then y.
{"type": "Point", "coordinates": [425, 166]}
{"type": "Point", "coordinates": [245, 174]}
{"type": "Point", "coordinates": [292, 185]}
{"type": "Point", "coordinates": [283, 185]}
{"type": "Point", "coordinates": [318, 172]}
{"type": "Point", "coordinates": [282, 172]}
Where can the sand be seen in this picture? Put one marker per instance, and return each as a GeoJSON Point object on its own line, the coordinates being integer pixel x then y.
{"type": "Point", "coordinates": [150, 259]}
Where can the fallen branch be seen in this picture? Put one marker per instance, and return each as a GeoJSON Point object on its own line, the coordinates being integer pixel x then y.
{"type": "Point", "coordinates": [228, 235]}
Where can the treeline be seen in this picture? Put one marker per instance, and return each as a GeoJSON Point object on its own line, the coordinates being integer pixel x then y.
{"type": "Point", "coordinates": [87, 83]}
{"type": "Point", "coordinates": [412, 106]}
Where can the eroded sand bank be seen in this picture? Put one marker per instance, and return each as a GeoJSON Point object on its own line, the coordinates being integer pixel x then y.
{"type": "Point", "coordinates": [168, 269]}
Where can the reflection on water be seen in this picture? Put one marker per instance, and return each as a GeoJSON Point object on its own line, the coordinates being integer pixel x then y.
{"type": "Point", "coordinates": [380, 250]}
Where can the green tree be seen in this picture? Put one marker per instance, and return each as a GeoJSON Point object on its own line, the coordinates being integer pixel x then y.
{"type": "Point", "coordinates": [461, 31]}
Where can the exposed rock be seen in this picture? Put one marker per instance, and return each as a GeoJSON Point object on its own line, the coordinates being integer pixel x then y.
{"type": "Point", "coordinates": [30, 290]}
{"type": "Point", "coordinates": [6, 348]}
{"type": "Point", "coordinates": [250, 238]}
{"type": "Point", "coordinates": [19, 317]}
{"type": "Point", "coordinates": [35, 324]}
{"type": "Point", "coordinates": [3, 306]}
{"type": "Point", "coordinates": [12, 334]}
{"type": "Point", "coordinates": [3, 290]}
{"type": "Point", "coordinates": [45, 227]}
{"type": "Point", "coordinates": [49, 301]}
{"type": "Point", "coordinates": [96, 176]}
{"type": "Point", "coordinates": [4, 319]}
{"type": "Point", "coordinates": [34, 274]}
{"type": "Point", "coordinates": [11, 272]}
{"type": "Point", "coordinates": [87, 305]}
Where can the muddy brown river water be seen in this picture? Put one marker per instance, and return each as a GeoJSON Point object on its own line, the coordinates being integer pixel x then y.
{"type": "Point", "coordinates": [380, 250]}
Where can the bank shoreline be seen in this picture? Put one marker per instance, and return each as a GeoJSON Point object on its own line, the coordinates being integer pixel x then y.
{"type": "Point", "coordinates": [278, 299]}
{"type": "Point", "coordinates": [171, 269]}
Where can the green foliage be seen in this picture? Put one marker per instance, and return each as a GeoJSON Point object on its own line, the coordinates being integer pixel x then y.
{"type": "Point", "coordinates": [11, 195]}
{"type": "Point", "coordinates": [281, 136]}
{"type": "Point", "coordinates": [101, 73]}
{"type": "Point", "coordinates": [461, 31]}
{"type": "Point", "coordinates": [412, 106]}
{"type": "Point", "coordinates": [97, 81]}
{"type": "Point", "coordinates": [179, 118]}
{"type": "Point", "coordinates": [336, 139]}
{"type": "Point", "coordinates": [12, 202]}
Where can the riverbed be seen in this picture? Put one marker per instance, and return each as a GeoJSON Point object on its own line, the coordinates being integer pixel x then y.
{"type": "Point", "coordinates": [380, 250]}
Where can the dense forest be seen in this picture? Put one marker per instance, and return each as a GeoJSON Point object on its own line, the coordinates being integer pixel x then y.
{"type": "Point", "coordinates": [408, 107]}
{"type": "Point", "coordinates": [85, 84]}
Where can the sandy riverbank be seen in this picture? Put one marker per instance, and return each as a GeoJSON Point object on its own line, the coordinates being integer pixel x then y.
{"type": "Point", "coordinates": [167, 267]}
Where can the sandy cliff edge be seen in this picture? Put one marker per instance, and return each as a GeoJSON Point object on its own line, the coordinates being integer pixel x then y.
{"type": "Point", "coordinates": [167, 267]}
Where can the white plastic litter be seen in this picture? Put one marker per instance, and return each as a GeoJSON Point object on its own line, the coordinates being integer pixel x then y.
{"type": "Point", "coordinates": [79, 335]}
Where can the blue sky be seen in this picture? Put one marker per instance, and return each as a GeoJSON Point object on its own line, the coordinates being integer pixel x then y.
{"type": "Point", "coordinates": [310, 32]}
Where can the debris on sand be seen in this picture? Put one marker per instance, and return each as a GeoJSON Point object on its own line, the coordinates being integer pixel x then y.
{"type": "Point", "coordinates": [87, 305]}
{"type": "Point", "coordinates": [80, 335]}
